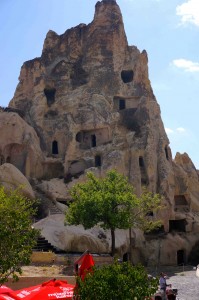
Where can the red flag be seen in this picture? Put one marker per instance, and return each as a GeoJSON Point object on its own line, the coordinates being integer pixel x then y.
{"type": "Point", "coordinates": [86, 265]}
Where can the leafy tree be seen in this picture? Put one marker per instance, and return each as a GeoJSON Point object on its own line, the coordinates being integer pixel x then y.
{"type": "Point", "coordinates": [17, 237]}
{"type": "Point", "coordinates": [116, 282]}
{"type": "Point", "coordinates": [112, 203]}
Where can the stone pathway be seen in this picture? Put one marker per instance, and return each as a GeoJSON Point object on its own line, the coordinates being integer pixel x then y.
{"type": "Point", "coordinates": [187, 284]}
{"type": "Point", "coordinates": [184, 279]}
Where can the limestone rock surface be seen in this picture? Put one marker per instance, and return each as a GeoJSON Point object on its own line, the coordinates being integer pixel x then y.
{"type": "Point", "coordinates": [87, 104]}
{"type": "Point", "coordinates": [12, 178]}
{"type": "Point", "coordinates": [20, 145]}
{"type": "Point", "coordinates": [76, 237]}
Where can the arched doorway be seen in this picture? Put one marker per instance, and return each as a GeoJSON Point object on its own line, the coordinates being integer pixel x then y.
{"type": "Point", "coordinates": [98, 161]}
{"type": "Point", "coordinates": [93, 140]}
{"type": "Point", "coordinates": [180, 257]}
{"type": "Point", "coordinates": [54, 147]}
{"type": "Point", "coordinates": [122, 104]}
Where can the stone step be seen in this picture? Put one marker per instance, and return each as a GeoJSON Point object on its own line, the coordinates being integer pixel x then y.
{"type": "Point", "coordinates": [45, 246]}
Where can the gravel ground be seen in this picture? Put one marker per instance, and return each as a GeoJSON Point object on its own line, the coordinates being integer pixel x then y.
{"type": "Point", "coordinates": [45, 270]}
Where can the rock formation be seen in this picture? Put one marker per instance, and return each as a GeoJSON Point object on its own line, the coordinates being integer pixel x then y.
{"type": "Point", "coordinates": [87, 104]}
{"type": "Point", "coordinates": [11, 178]}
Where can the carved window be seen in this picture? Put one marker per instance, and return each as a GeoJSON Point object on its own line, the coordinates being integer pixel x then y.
{"type": "Point", "coordinates": [55, 147]}
{"type": "Point", "coordinates": [8, 159]}
{"type": "Point", "coordinates": [141, 162]}
{"type": "Point", "coordinates": [150, 214]}
{"type": "Point", "coordinates": [143, 173]}
{"type": "Point", "coordinates": [122, 104]}
{"type": "Point", "coordinates": [79, 137]}
{"type": "Point", "coordinates": [98, 161]}
{"type": "Point", "coordinates": [127, 76]}
{"type": "Point", "coordinates": [180, 200]}
{"type": "Point", "coordinates": [166, 153]}
{"type": "Point", "coordinates": [50, 95]}
{"type": "Point", "coordinates": [1, 159]}
{"type": "Point", "coordinates": [177, 225]}
{"type": "Point", "coordinates": [93, 140]}
{"type": "Point", "coordinates": [180, 257]}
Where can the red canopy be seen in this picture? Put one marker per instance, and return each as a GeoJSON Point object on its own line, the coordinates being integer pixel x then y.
{"type": "Point", "coordinates": [4, 289]}
{"type": "Point", "coordinates": [50, 290]}
{"type": "Point", "coordinates": [6, 293]}
{"type": "Point", "coordinates": [86, 265]}
{"type": "Point", "coordinates": [8, 296]}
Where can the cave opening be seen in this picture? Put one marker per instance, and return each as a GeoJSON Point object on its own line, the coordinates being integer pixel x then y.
{"type": "Point", "coordinates": [127, 76]}
{"type": "Point", "coordinates": [180, 200]}
{"type": "Point", "coordinates": [50, 95]}
{"type": "Point", "coordinates": [141, 162]}
{"type": "Point", "coordinates": [55, 147]}
{"type": "Point", "coordinates": [8, 159]}
{"type": "Point", "coordinates": [98, 161]}
{"type": "Point", "coordinates": [166, 153]}
{"type": "Point", "coordinates": [1, 159]}
{"type": "Point", "coordinates": [180, 257]}
{"type": "Point", "coordinates": [177, 225]}
{"type": "Point", "coordinates": [93, 140]}
{"type": "Point", "coordinates": [122, 104]}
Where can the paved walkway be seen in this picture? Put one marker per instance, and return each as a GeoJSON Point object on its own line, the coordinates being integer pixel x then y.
{"type": "Point", "coordinates": [187, 284]}
{"type": "Point", "coordinates": [184, 279]}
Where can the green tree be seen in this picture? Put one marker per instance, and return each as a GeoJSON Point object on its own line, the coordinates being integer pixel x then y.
{"type": "Point", "coordinates": [116, 282]}
{"type": "Point", "coordinates": [17, 237]}
{"type": "Point", "coordinates": [112, 203]}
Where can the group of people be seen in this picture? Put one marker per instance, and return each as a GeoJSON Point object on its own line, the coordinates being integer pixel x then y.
{"type": "Point", "coordinates": [163, 286]}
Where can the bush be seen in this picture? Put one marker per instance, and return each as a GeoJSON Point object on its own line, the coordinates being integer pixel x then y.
{"type": "Point", "coordinates": [116, 282]}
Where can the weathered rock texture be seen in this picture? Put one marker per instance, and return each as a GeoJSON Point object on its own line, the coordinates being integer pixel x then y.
{"type": "Point", "coordinates": [87, 103]}
{"type": "Point", "coordinates": [11, 178]}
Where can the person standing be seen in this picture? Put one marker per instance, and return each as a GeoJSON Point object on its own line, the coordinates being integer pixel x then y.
{"type": "Point", "coordinates": [163, 285]}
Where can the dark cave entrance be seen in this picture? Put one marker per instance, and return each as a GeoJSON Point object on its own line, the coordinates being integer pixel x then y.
{"type": "Point", "coordinates": [50, 95]}
{"type": "Point", "coordinates": [8, 159]}
{"type": "Point", "coordinates": [177, 225]}
{"type": "Point", "coordinates": [125, 257]}
{"type": "Point", "coordinates": [166, 153]}
{"type": "Point", "coordinates": [93, 140]}
{"type": "Point", "coordinates": [98, 161]}
{"type": "Point", "coordinates": [122, 104]}
{"type": "Point", "coordinates": [180, 257]}
{"type": "Point", "coordinates": [127, 76]}
{"type": "Point", "coordinates": [55, 147]}
{"type": "Point", "coordinates": [141, 162]}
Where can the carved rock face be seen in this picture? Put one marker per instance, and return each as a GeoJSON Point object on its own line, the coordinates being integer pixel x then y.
{"type": "Point", "coordinates": [90, 102]}
{"type": "Point", "coordinates": [12, 178]}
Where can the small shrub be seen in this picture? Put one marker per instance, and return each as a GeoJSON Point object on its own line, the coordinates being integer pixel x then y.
{"type": "Point", "coordinates": [119, 281]}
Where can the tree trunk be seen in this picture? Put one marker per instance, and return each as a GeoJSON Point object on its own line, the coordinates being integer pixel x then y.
{"type": "Point", "coordinates": [112, 242]}
{"type": "Point", "coordinates": [130, 245]}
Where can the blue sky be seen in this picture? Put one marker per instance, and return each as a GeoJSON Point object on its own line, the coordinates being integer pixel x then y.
{"type": "Point", "coordinates": [167, 30]}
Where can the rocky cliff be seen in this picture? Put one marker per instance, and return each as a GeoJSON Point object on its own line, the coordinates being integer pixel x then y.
{"type": "Point", "coordinates": [87, 104]}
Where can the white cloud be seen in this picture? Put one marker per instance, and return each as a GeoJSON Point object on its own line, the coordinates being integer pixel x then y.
{"type": "Point", "coordinates": [189, 12]}
{"type": "Point", "coordinates": [169, 130]}
{"type": "Point", "coordinates": [187, 65]}
{"type": "Point", "coordinates": [175, 131]}
{"type": "Point", "coordinates": [180, 129]}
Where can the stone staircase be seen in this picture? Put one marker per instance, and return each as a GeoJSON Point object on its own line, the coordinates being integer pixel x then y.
{"type": "Point", "coordinates": [47, 206]}
{"type": "Point", "coordinates": [44, 246]}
